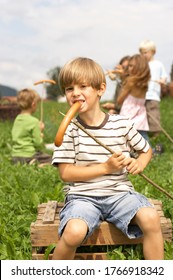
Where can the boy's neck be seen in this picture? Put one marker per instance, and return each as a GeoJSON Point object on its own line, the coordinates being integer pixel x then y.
{"type": "Point", "coordinates": [26, 112]}
{"type": "Point", "coordinates": [94, 119]}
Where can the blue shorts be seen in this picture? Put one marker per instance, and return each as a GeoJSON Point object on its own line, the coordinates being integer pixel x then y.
{"type": "Point", "coordinates": [117, 209]}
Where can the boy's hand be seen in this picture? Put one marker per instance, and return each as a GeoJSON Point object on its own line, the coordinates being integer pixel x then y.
{"type": "Point", "coordinates": [114, 163]}
{"type": "Point", "coordinates": [133, 166]}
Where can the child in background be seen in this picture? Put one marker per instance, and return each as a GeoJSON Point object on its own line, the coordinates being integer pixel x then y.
{"type": "Point", "coordinates": [27, 131]}
{"type": "Point", "coordinates": [133, 92]}
{"type": "Point", "coordinates": [119, 73]}
{"type": "Point", "coordinates": [97, 185]}
{"type": "Point", "coordinates": [153, 95]}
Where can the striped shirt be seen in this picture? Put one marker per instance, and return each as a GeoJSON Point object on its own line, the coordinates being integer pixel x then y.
{"type": "Point", "coordinates": [116, 132]}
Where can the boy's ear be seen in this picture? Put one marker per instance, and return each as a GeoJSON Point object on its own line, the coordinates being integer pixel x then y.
{"type": "Point", "coordinates": [102, 89]}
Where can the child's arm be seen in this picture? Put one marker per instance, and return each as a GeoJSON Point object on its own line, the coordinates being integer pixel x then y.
{"type": "Point", "coordinates": [162, 81]}
{"type": "Point", "coordinates": [72, 173]}
{"type": "Point", "coordinates": [108, 106]}
{"type": "Point", "coordinates": [136, 166]}
{"type": "Point", "coordinates": [123, 94]}
{"type": "Point", "coordinates": [37, 136]}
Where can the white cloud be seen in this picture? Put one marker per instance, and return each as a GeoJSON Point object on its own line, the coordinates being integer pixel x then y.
{"type": "Point", "coordinates": [39, 35]}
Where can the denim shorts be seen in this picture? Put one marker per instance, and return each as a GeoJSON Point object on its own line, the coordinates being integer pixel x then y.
{"type": "Point", "coordinates": [117, 209]}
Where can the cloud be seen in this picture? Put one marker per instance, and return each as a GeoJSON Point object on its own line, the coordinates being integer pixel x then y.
{"type": "Point", "coordinates": [39, 35]}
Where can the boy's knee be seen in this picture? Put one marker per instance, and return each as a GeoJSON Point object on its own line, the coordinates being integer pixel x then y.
{"type": "Point", "coordinates": [74, 232]}
{"type": "Point", "coordinates": [149, 220]}
{"type": "Point", "coordinates": [152, 222]}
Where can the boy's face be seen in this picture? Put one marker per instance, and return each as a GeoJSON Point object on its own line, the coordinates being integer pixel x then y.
{"type": "Point", "coordinates": [86, 95]}
{"type": "Point", "coordinates": [148, 54]}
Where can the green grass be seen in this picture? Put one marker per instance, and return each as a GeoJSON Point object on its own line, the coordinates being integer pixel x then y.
{"type": "Point", "coordinates": [23, 187]}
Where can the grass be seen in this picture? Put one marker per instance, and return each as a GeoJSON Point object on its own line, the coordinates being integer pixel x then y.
{"type": "Point", "coordinates": [23, 187]}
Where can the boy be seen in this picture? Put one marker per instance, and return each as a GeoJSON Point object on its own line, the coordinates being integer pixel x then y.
{"type": "Point", "coordinates": [153, 95]}
{"type": "Point", "coordinates": [97, 184]}
{"type": "Point", "coordinates": [27, 136]}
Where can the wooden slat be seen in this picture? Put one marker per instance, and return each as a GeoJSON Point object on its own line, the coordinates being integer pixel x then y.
{"type": "Point", "coordinates": [49, 215]}
{"type": "Point", "coordinates": [78, 256]}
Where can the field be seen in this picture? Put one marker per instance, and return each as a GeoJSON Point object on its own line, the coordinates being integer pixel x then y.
{"type": "Point", "coordinates": [23, 187]}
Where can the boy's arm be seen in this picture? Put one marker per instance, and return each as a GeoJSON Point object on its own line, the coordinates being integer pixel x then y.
{"type": "Point", "coordinates": [72, 173]}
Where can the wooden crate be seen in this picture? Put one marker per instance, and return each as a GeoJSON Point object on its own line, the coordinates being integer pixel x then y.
{"type": "Point", "coordinates": [44, 231]}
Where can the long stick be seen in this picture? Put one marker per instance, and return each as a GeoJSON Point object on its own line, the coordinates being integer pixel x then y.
{"type": "Point", "coordinates": [112, 152]}
{"type": "Point", "coordinates": [155, 185]}
{"type": "Point", "coordinates": [43, 91]}
{"type": "Point", "coordinates": [41, 104]}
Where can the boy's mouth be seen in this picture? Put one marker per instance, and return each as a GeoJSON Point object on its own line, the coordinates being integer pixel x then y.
{"type": "Point", "coordinates": [80, 101]}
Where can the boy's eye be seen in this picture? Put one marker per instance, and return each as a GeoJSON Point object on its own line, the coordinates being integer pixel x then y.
{"type": "Point", "coordinates": [83, 86]}
{"type": "Point", "coordinates": [68, 89]}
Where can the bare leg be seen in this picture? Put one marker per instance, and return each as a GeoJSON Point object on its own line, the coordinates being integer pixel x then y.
{"type": "Point", "coordinates": [149, 222]}
{"type": "Point", "coordinates": [73, 235]}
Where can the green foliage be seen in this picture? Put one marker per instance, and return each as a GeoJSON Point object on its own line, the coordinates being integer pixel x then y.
{"type": "Point", "coordinates": [48, 251]}
{"type": "Point", "coordinates": [23, 187]}
{"type": "Point", "coordinates": [54, 91]}
{"type": "Point", "coordinates": [126, 252]}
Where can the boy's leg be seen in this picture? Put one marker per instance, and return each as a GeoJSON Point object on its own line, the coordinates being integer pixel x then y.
{"type": "Point", "coordinates": [78, 219]}
{"type": "Point", "coordinates": [153, 116]}
{"type": "Point", "coordinates": [73, 235]}
{"type": "Point", "coordinates": [149, 222]}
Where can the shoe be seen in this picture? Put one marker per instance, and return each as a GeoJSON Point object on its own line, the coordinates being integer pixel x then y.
{"type": "Point", "coordinates": [158, 150]}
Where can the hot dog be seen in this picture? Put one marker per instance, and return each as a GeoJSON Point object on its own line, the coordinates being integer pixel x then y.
{"type": "Point", "coordinates": [65, 122]}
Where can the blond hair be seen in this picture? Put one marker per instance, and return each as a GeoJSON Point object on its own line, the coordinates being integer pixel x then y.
{"type": "Point", "coordinates": [80, 70]}
{"type": "Point", "coordinates": [147, 45]}
{"type": "Point", "coordinates": [26, 97]}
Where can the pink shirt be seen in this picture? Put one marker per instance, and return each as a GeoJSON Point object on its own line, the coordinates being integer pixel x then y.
{"type": "Point", "coordinates": [134, 108]}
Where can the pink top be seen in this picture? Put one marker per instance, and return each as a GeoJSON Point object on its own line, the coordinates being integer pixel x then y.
{"type": "Point", "coordinates": [134, 108]}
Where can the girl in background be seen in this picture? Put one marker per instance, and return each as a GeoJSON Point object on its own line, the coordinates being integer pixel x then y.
{"type": "Point", "coordinates": [133, 93]}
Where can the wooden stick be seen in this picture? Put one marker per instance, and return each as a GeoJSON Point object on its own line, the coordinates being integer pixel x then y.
{"type": "Point", "coordinates": [44, 89]}
{"type": "Point", "coordinates": [41, 104]}
{"type": "Point", "coordinates": [112, 152]}
{"type": "Point", "coordinates": [155, 185]}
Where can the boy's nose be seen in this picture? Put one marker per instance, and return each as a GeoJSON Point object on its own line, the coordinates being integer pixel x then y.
{"type": "Point", "coordinates": [76, 91]}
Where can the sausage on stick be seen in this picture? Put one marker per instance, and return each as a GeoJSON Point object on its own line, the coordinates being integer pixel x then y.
{"type": "Point", "coordinates": [65, 122]}
{"type": "Point", "coordinates": [44, 81]}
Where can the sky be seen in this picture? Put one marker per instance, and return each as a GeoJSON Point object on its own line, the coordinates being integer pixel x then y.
{"type": "Point", "coordinates": [39, 35]}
